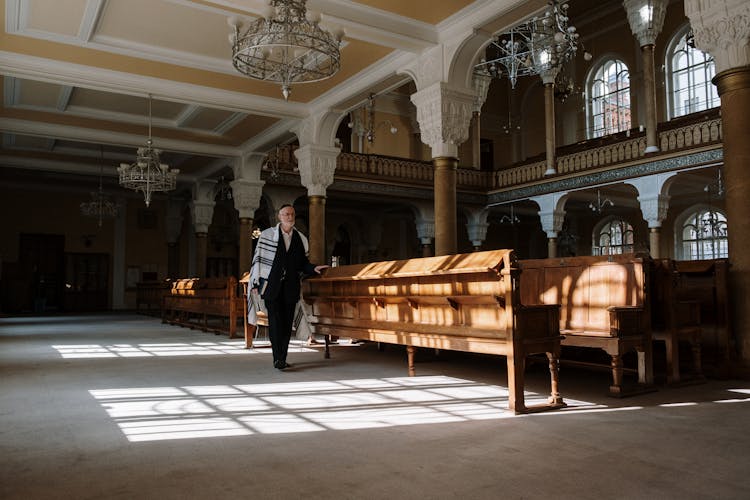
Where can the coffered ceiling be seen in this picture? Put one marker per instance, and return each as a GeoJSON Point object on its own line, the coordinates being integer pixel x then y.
{"type": "Point", "coordinates": [76, 75]}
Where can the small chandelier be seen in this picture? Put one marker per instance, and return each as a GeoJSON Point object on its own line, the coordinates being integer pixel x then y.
{"type": "Point", "coordinates": [223, 190]}
{"type": "Point", "coordinates": [100, 205]}
{"type": "Point", "coordinates": [148, 174]}
{"type": "Point", "coordinates": [540, 44]}
{"type": "Point", "coordinates": [366, 127]}
{"type": "Point", "coordinates": [286, 46]}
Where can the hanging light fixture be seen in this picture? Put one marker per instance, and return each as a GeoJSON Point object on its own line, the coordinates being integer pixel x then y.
{"type": "Point", "coordinates": [148, 174]}
{"type": "Point", "coordinates": [600, 204]}
{"type": "Point", "coordinates": [100, 205]}
{"type": "Point", "coordinates": [286, 46]}
{"type": "Point", "coordinates": [543, 43]}
{"type": "Point", "coordinates": [366, 127]}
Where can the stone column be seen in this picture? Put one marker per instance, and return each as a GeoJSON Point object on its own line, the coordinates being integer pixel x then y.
{"type": "Point", "coordinates": [548, 78]}
{"type": "Point", "coordinates": [481, 82]}
{"type": "Point", "coordinates": [722, 29]}
{"type": "Point", "coordinates": [552, 217]}
{"type": "Point", "coordinates": [202, 209]}
{"type": "Point", "coordinates": [246, 195]}
{"type": "Point", "coordinates": [173, 229]}
{"type": "Point", "coordinates": [654, 206]}
{"type": "Point", "coordinates": [317, 216]}
{"type": "Point", "coordinates": [646, 18]}
{"type": "Point", "coordinates": [316, 167]}
{"type": "Point", "coordinates": [445, 205]}
{"type": "Point", "coordinates": [444, 115]}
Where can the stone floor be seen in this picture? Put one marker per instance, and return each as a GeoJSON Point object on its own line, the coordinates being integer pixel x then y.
{"type": "Point", "coordinates": [119, 406]}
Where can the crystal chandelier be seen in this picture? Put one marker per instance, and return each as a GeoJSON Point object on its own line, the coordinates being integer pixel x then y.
{"type": "Point", "coordinates": [100, 205]}
{"type": "Point", "coordinates": [541, 44]}
{"type": "Point", "coordinates": [148, 174]}
{"type": "Point", "coordinates": [286, 46]}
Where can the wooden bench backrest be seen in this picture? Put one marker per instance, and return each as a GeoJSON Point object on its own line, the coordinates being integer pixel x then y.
{"type": "Point", "coordinates": [585, 287]}
{"type": "Point", "coordinates": [446, 294]}
{"type": "Point", "coordinates": [706, 282]}
{"type": "Point", "coordinates": [205, 287]}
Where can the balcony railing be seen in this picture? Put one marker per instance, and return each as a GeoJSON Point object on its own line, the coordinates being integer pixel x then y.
{"type": "Point", "coordinates": [687, 134]}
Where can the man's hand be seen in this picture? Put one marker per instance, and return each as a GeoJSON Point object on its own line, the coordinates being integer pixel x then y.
{"type": "Point", "coordinates": [320, 268]}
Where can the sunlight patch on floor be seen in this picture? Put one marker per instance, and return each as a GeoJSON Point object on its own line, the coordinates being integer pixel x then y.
{"type": "Point", "coordinates": [75, 351]}
{"type": "Point", "coordinates": [158, 413]}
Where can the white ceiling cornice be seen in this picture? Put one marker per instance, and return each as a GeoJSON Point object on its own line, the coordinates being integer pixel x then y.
{"type": "Point", "coordinates": [52, 71]}
{"type": "Point", "coordinates": [54, 130]}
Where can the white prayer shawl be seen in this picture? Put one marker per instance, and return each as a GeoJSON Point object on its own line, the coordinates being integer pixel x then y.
{"type": "Point", "coordinates": [265, 253]}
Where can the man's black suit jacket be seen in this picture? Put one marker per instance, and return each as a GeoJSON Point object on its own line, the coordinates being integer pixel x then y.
{"type": "Point", "coordinates": [292, 264]}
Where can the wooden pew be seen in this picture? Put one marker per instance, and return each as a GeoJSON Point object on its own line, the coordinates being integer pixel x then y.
{"type": "Point", "coordinates": [706, 281]}
{"type": "Point", "coordinates": [603, 306]}
{"type": "Point", "coordinates": [193, 301]}
{"type": "Point", "coordinates": [465, 302]}
{"type": "Point", "coordinates": [674, 319]}
{"type": "Point", "coordinates": [151, 294]}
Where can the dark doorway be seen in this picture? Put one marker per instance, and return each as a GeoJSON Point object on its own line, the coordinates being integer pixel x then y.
{"type": "Point", "coordinates": [86, 282]}
{"type": "Point", "coordinates": [41, 262]}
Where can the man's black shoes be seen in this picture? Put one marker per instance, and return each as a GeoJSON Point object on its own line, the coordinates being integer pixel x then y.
{"type": "Point", "coordinates": [281, 365]}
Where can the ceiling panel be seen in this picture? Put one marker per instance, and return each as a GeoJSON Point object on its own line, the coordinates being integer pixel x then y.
{"type": "Point", "coordinates": [65, 22]}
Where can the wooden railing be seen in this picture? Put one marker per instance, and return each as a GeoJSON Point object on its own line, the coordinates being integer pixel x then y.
{"type": "Point", "coordinates": [694, 132]}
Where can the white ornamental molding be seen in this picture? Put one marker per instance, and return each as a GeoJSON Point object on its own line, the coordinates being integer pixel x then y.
{"type": "Point", "coordinates": [426, 231]}
{"type": "Point", "coordinates": [654, 209]}
{"type": "Point", "coordinates": [481, 82]}
{"type": "Point", "coordinates": [646, 25]}
{"type": "Point", "coordinates": [477, 232]}
{"type": "Point", "coordinates": [246, 196]}
{"type": "Point", "coordinates": [317, 165]}
{"type": "Point", "coordinates": [722, 29]}
{"type": "Point", "coordinates": [552, 222]}
{"type": "Point", "coordinates": [444, 117]}
{"type": "Point", "coordinates": [203, 214]}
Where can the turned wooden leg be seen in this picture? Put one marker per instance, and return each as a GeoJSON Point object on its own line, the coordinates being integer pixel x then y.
{"type": "Point", "coordinates": [616, 387]}
{"type": "Point", "coordinates": [554, 372]}
{"type": "Point", "coordinates": [516, 365]}
{"type": "Point", "coordinates": [673, 358]}
{"type": "Point", "coordinates": [696, 347]}
{"type": "Point", "coordinates": [410, 350]}
{"type": "Point", "coordinates": [646, 364]}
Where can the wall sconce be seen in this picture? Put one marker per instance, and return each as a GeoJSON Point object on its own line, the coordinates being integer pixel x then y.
{"type": "Point", "coordinates": [365, 127]}
{"type": "Point", "coordinates": [600, 204]}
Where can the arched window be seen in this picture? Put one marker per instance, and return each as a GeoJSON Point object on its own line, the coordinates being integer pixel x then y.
{"type": "Point", "coordinates": [689, 76]}
{"type": "Point", "coordinates": [609, 98]}
{"type": "Point", "coordinates": [703, 235]}
{"type": "Point", "coordinates": [612, 236]}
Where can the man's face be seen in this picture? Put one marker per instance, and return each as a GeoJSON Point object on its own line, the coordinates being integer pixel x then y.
{"type": "Point", "coordinates": [286, 216]}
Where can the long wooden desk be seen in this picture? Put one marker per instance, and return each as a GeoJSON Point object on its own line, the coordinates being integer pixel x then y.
{"type": "Point", "coordinates": [464, 302]}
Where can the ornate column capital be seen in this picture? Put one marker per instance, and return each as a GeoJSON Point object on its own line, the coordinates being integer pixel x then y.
{"type": "Point", "coordinates": [246, 196]}
{"type": "Point", "coordinates": [477, 232]}
{"type": "Point", "coordinates": [426, 231]}
{"type": "Point", "coordinates": [444, 116]}
{"type": "Point", "coordinates": [481, 82]}
{"type": "Point", "coordinates": [202, 205]}
{"type": "Point", "coordinates": [654, 209]}
{"type": "Point", "coordinates": [552, 222]}
{"type": "Point", "coordinates": [721, 28]}
{"type": "Point", "coordinates": [316, 167]}
{"type": "Point", "coordinates": [646, 25]}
